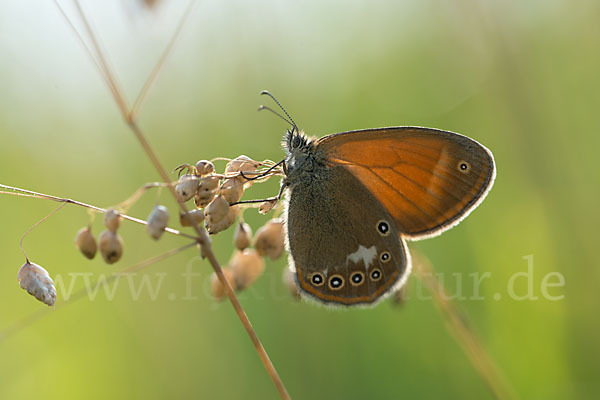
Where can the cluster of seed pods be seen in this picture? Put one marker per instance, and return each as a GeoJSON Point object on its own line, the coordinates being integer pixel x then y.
{"type": "Point", "coordinates": [109, 242]}
{"type": "Point", "coordinates": [215, 197]}
{"type": "Point", "coordinates": [247, 262]}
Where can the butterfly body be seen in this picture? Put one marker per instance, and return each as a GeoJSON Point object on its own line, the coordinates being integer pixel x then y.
{"type": "Point", "coordinates": [354, 198]}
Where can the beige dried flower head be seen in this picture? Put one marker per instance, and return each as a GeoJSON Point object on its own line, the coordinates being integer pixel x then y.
{"type": "Point", "coordinates": [241, 164]}
{"type": "Point", "coordinates": [112, 219]}
{"type": "Point", "coordinates": [206, 190]}
{"type": "Point", "coordinates": [85, 242]}
{"type": "Point", "coordinates": [204, 167]}
{"type": "Point", "coordinates": [186, 187]}
{"type": "Point", "coordinates": [216, 210]}
{"type": "Point", "coordinates": [217, 288]}
{"type": "Point", "coordinates": [185, 219]}
{"type": "Point", "coordinates": [266, 206]}
{"type": "Point", "coordinates": [232, 190]}
{"type": "Point", "coordinates": [157, 221]}
{"type": "Point", "coordinates": [37, 282]}
{"type": "Point", "coordinates": [111, 246]}
{"type": "Point", "coordinates": [242, 236]}
{"type": "Point", "coordinates": [269, 239]}
{"type": "Point", "coordinates": [220, 225]}
{"type": "Point", "coordinates": [247, 266]}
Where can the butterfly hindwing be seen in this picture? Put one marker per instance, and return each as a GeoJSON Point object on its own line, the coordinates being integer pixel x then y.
{"type": "Point", "coordinates": [343, 244]}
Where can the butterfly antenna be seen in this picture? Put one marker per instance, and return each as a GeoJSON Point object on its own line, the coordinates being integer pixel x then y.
{"type": "Point", "coordinates": [294, 126]}
{"type": "Point", "coordinates": [261, 107]}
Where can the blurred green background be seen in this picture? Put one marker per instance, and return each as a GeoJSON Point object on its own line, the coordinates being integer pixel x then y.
{"type": "Point", "coordinates": [520, 77]}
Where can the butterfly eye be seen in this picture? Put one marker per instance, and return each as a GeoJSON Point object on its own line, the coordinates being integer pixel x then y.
{"type": "Point", "coordinates": [336, 282]}
{"type": "Point", "coordinates": [296, 142]}
{"type": "Point", "coordinates": [464, 167]}
{"type": "Point", "coordinates": [385, 256]}
{"type": "Point", "coordinates": [317, 279]}
{"type": "Point", "coordinates": [383, 228]}
{"type": "Point", "coordinates": [357, 278]}
{"type": "Point", "coordinates": [375, 274]}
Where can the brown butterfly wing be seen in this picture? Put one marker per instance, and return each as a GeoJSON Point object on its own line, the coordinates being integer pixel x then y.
{"type": "Point", "coordinates": [428, 180]}
{"type": "Point", "coordinates": [332, 229]}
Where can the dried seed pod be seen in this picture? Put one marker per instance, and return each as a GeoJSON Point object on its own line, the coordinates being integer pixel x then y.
{"type": "Point", "coordinates": [232, 190]}
{"type": "Point", "coordinates": [241, 164]}
{"type": "Point", "coordinates": [112, 219]}
{"type": "Point", "coordinates": [266, 206]}
{"type": "Point", "coordinates": [210, 182]}
{"type": "Point", "coordinates": [186, 187]}
{"type": "Point", "coordinates": [216, 210]}
{"type": "Point", "coordinates": [206, 190]}
{"type": "Point", "coordinates": [111, 246]}
{"type": "Point", "coordinates": [217, 288]}
{"type": "Point", "coordinates": [37, 282]}
{"type": "Point", "coordinates": [185, 219]}
{"type": "Point", "coordinates": [290, 282]}
{"type": "Point", "coordinates": [157, 222]}
{"type": "Point", "coordinates": [269, 239]}
{"type": "Point", "coordinates": [215, 227]}
{"type": "Point", "coordinates": [204, 167]}
{"type": "Point", "coordinates": [247, 266]}
{"type": "Point", "coordinates": [242, 236]}
{"type": "Point", "coordinates": [203, 198]}
{"type": "Point", "coordinates": [85, 242]}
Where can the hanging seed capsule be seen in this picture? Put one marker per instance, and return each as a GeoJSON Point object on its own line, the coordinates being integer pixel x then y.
{"type": "Point", "coordinates": [85, 242]}
{"type": "Point", "coordinates": [241, 163]}
{"type": "Point", "coordinates": [203, 198]}
{"type": "Point", "coordinates": [157, 222]}
{"type": "Point", "coordinates": [204, 167]}
{"type": "Point", "coordinates": [112, 219]}
{"type": "Point", "coordinates": [216, 210]}
{"type": "Point", "coordinates": [111, 246]}
{"type": "Point", "coordinates": [266, 206]}
{"type": "Point", "coordinates": [247, 266]}
{"type": "Point", "coordinates": [206, 190]}
{"type": "Point", "coordinates": [290, 282]}
{"type": "Point", "coordinates": [217, 288]}
{"type": "Point", "coordinates": [232, 190]}
{"type": "Point", "coordinates": [223, 223]}
{"type": "Point", "coordinates": [242, 236]}
{"type": "Point", "coordinates": [37, 282]}
{"type": "Point", "coordinates": [210, 182]}
{"type": "Point", "coordinates": [269, 239]}
{"type": "Point", "coordinates": [185, 219]}
{"type": "Point", "coordinates": [186, 187]}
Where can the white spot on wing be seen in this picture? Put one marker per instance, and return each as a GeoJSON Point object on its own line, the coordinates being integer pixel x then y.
{"type": "Point", "coordinates": [363, 254]}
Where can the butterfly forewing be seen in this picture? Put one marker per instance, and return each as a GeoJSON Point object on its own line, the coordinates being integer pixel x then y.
{"type": "Point", "coordinates": [426, 179]}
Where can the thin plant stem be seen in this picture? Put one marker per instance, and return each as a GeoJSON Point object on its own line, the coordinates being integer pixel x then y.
{"type": "Point", "coordinates": [203, 239]}
{"type": "Point", "coordinates": [111, 77]}
{"type": "Point", "coordinates": [37, 195]}
{"type": "Point", "coordinates": [35, 226]}
{"type": "Point", "coordinates": [36, 315]}
{"type": "Point", "coordinates": [457, 324]}
{"type": "Point", "coordinates": [159, 64]}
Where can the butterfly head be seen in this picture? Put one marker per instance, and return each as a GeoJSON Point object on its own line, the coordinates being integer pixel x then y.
{"type": "Point", "coordinates": [302, 160]}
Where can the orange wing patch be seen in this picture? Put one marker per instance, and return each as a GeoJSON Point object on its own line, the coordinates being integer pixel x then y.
{"type": "Point", "coordinates": [427, 180]}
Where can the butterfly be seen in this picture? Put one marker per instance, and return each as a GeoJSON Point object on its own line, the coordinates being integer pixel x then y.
{"type": "Point", "coordinates": [353, 200]}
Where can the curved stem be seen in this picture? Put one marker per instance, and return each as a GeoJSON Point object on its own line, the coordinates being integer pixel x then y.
{"type": "Point", "coordinates": [463, 333]}
{"type": "Point", "coordinates": [35, 225]}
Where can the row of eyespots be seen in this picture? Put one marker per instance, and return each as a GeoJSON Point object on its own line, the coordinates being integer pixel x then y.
{"type": "Point", "coordinates": [336, 281]}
